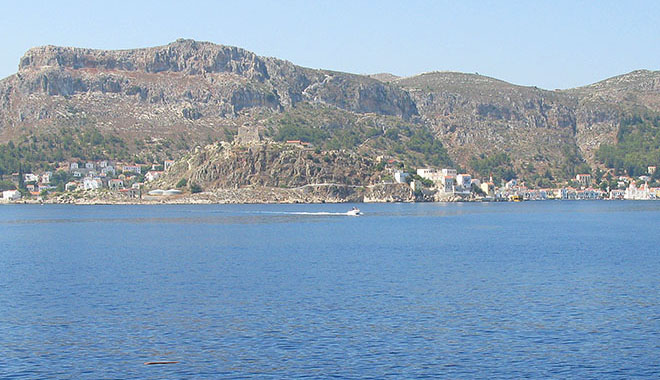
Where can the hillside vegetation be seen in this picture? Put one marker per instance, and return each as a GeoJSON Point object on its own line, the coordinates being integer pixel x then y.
{"type": "Point", "coordinates": [637, 146]}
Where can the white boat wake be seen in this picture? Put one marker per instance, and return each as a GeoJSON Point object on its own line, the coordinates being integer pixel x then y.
{"type": "Point", "coordinates": [321, 213]}
{"type": "Point", "coordinates": [307, 213]}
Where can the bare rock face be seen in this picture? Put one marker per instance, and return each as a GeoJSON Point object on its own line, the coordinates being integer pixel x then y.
{"type": "Point", "coordinates": [183, 56]}
{"type": "Point", "coordinates": [186, 86]}
{"type": "Point", "coordinates": [476, 114]}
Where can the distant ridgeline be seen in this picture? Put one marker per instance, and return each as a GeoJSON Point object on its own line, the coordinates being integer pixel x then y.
{"type": "Point", "coordinates": [145, 105]}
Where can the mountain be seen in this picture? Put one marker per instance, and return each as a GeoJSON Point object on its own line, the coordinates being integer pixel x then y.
{"type": "Point", "coordinates": [160, 102]}
{"type": "Point", "coordinates": [188, 87]}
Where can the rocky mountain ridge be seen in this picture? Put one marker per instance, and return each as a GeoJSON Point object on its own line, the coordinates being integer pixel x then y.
{"type": "Point", "coordinates": [202, 92]}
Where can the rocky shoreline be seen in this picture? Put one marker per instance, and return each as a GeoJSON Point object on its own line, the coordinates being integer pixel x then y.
{"type": "Point", "coordinates": [381, 193]}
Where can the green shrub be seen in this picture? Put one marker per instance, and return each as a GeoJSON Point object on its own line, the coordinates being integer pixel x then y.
{"type": "Point", "coordinates": [195, 188]}
{"type": "Point", "coordinates": [182, 183]}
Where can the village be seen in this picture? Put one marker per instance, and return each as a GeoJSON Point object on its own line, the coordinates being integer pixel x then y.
{"type": "Point", "coordinates": [129, 179]}
{"type": "Point", "coordinates": [448, 181]}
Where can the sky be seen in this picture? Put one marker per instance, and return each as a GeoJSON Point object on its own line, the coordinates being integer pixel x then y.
{"type": "Point", "coordinates": [548, 44]}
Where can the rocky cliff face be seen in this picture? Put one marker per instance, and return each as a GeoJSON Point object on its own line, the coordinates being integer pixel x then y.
{"type": "Point", "coordinates": [477, 114]}
{"type": "Point", "coordinates": [186, 86]}
{"type": "Point", "coordinates": [204, 91]}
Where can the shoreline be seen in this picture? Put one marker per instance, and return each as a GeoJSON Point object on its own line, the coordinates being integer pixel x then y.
{"type": "Point", "coordinates": [189, 201]}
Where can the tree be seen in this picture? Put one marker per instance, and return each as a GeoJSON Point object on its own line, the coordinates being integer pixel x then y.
{"type": "Point", "coordinates": [195, 188]}
{"type": "Point", "coordinates": [182, 183]}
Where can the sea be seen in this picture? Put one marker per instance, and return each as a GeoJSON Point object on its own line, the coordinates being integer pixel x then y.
{"type": "Point", "coordinates": [555, 289]}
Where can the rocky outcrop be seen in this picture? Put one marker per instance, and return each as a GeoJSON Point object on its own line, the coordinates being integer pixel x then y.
{"type": "Point", "coordinates": [231, 166]}
{"type": "Point", "coordinates": [267, 172]}
{"type": "Point", "coordinates": [394, 192]}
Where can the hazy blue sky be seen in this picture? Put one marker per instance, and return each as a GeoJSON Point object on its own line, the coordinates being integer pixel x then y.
{"type": "Point", "coordinates": [550, 44]}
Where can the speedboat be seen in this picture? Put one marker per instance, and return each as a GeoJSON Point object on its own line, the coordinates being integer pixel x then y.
{"type": "Point", "coordinates": [354, 212]}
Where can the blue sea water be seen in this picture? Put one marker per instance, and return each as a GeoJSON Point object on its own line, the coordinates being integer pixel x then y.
{"type": "Point", "coordinates": [506, 290]}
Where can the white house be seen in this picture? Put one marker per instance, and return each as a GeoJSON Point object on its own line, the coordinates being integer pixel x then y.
{"type": "Point", "coordinates": [444, 179]}
{"type": "Point", "coordinates": [70, 186]}
{"type": "Point", "coordinates": [641, 193]}
{"type": "Point", "coordinates": [583, 179]}
{"type": "Point", "coordinates": [589, 193]}
{"type": "Point", "coordinates": [464, 183]}
{"type": "Point", "coordinates": [429, 173]}
{"type": "Point", "coordinates": [488, 188]}
{"type": "Point", "coordinates": [168, 164]}
{"type": "Point", "coordinates": [400, 177]}
{"type": "Point", "coordinates": [566, 193]}
{"type": "Point", "coordinates": [449, 172]}
{"type": "Point", "coordinates": [91, 183]}
{"type": "Point", "coordinates": [132, 169]}
{"type": "Point", "coordinates": [152, 175]}
{"type": "Point", "coordinates": [115, 184]}
{"type": "Point", "coordinates": [89, 165]}
{"type": "Point", "coordinates": [108, 170]}
{"type": "Point", "coordinates": [448, 183]}
{"type": "Point", "coordinates": [11, 195]}
{"type": "Point", "coordinates": [46, 187]}
{"type": "Point", "coordinates": [617, 194]}
{"type": "Point", "coordinates": [45, 178]}
{"type": "Point", "coordinates": [73, 166]}
{"type": "Point", "coordinates": [29, 177]}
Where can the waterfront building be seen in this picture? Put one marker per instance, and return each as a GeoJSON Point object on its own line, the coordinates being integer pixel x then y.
{"type": "Point", "coordinates": [11, 195]}
{"type": "Point", "coordinates": [464, 183]}
{"type": "Point", "coordinates": [617, 194]}
{"type": "Point", "coordinates": [444, 179]}
{"type": "Point", "coordinates": [488, 188]}
{"type": "Point", "coordinates": [589, 194]}
{"type": "Point", "coordinates": [448, 183]}
{"type": "Point", "coordinates": [635, 193]}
